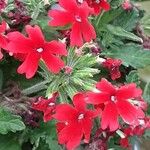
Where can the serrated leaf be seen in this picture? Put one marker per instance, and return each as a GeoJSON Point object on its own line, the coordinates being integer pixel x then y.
{"type": "Point", "coordinates": [9, 122]}
{"type": "Point", "coordinates": [131, 55]}
{"type": "Point", "coordinates": [133, 77]}
{"type": "Point", "coordinates": [127, 20]}
{"type": "Point", "coordinates": [118, 31]}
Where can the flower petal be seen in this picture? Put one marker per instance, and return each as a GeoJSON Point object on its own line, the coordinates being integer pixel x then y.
{"type": "Point", "coordinates": [105, 5]}
{"type": "Point", "coordinates": [18, 43]}
{"type": "Point", "coordinates": [70, 5]}
{"type": "Point", "coordinates": [65, 112]}
{"type": "Point", "coordinates": [128, 91]}
{"type": "Point", "coordinates": [3, 27]}
{"type": "Point", "coordinates": [88, 31]}
{"type": "Point", "coordinates": [79, 103]}
{"type": "Point", "coordinates": [53, 63]}
{"type": "Point", "coordinates": [105, 86]}
{"type": "Point", "coordinates": [110, 117]}
{"type": "Point", "coordinates": [70, 135]}
{"type": "Point", "coordinates": [87, 127]}
{"type": "Point", "coordinates": [97, 98]}
{"type": "Point", "coordinates": [55, 47]}
{"type": "Point", "coordinates": [30, 65]}
{"type": "Point", "coordinates": [76, 36]}
{"type": "Point", "coordinates": [127, 111]}
{"type": "Point", "coordinates": [60, 18]}
{"type": "Point", "coordinates": [36, 35]}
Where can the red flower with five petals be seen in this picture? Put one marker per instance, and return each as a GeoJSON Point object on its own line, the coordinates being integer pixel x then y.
{"type": "Point", "coordinates": [98, 5]}
{"type": "Point", "coordinates": [77, 122]}
{"type": "Point", "coordinates": [117, 102]}
{"type": "Point", "coordinates": [76, 15]}
{"type": "Point", "coordinates": [47, 106]}
{"type": "Point", "coordinates": [3, 39]}
{"type": "Point", "coordinates": [35, 48]}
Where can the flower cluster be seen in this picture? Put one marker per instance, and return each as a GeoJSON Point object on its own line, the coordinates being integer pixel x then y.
{"type": "Point", "coordinates": [107, 108]}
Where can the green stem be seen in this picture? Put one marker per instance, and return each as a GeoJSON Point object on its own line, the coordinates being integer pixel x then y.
{"type": "Point", "coordinates": [98, 18]}
{"type": "Point", "coordinates": [35, 88]}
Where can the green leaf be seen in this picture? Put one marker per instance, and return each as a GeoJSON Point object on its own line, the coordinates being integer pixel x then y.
{"type": "Point", "coordinates": [127, 20]}
{"type": "Point", "coordinates": [146, 94]}
{"type": "Point", "coordinates": [9, 122]}
{"type": "Point", "coordinates": [133, 77]}
{"type": "Point", "coordinates": [44, 133]}
{"type": "Point", "coordinates": [9, 142]}
{"type": "Point", "coordinates": [118, 31]}
{"type": "Point", "coordinates": [131, 55]}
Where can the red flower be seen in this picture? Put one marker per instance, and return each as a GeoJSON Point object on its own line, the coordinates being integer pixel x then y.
{"type": "Point", "coordinates": [46, 106]}
{"type": "Point", "coordinates": [78, 122]}
{"type": "Point", "coordinates": [77, 16]}
{"type": "Point", "coordinates": [113, 66]}
{"type": "Point", "coordinates": [35, 48]}
{"type": "Point", "coordinates": [99, 5]}
{"type": "Point", "coordinates": [117, 103]}
{"type": "Point", "coordinates": [3, 39]}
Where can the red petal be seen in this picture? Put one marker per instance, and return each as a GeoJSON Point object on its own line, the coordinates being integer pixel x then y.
{"type": "Point", "coordinates": [87, 127]}
{"type": "Point", "coordinates": [70, 5]}
{"type": "Point", "coordinates": [79, 103]}
{"type": "Point", "coordinates": [41, 104]}
{"type": "Point", "coordinates": [71, 135]}
{"type": "Point", "coordinates": [56, 47]}
{"type": "Point", "coordinates": [76, 36]}
{"type": "Point", "coordinates": [3, 27]}
{"type": "Point", "coordinates": [127, 111]}
{"type": "Point", "coordinates": [65, 112]}
{"type": "Point", "coordinates": [36, 35]}
{"type": "Point", "coordinates": [97, 98]}
{"type": "Point", "coordinates": [53, 63]}
{"type": "Point", "coordinates": [3, 42]}
{"type": "Point", "coordinates": [48, 114]}
{"type": "Point", "coordinates": [84, 10]}
{"type": "Point", "coordinates": [30, 65]}
{"type": "Point", "coordinates": [18, 43]}
{"type": "Point", "coordinates": [106, 86]}
{"type": "Point", "coordinates": [105, 5]}
{"type": "Point", "coordinates": [128, 91]}
{"type": "Point", "coordinates": [110, 117]}
{"type": "Point", "coordinates": [88, 31]}
{"type": "Point", "coordinates": [60, 18]}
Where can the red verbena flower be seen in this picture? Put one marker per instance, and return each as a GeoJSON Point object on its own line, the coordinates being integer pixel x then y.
{"type": "Point", "coordinates": [98, 5]}
{"type": "Point", "coordinates": [117, 102]}
{"type": "Point", "coordinates": [77, 16]}
{"type": "Point", "coordinates": [113, 66]}
{"type": "Point", "coordinates": [47, 106]}
{"type": "Point", "coordinates": [35, 48]}
{"type": "Point", "coordinates": [75, 122]}
{"type": "Point", "coordinates": [3, 39]}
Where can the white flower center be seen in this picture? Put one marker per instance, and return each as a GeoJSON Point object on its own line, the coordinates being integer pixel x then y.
{"type": "Point", "coordinates": [51, 104]}
{"type": "Point", "coordinates": [40, 50]}
{"type": "Point", "coordinates": [81, 116]}
{"type": "Point", "coordinates": [97, 1]}
{"type": "Point", "coordinates": [78, 18]}
{"type": "Point", "coordinates": [80, 1]}
{"type": "Point", "coordinates": [113, 98]}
